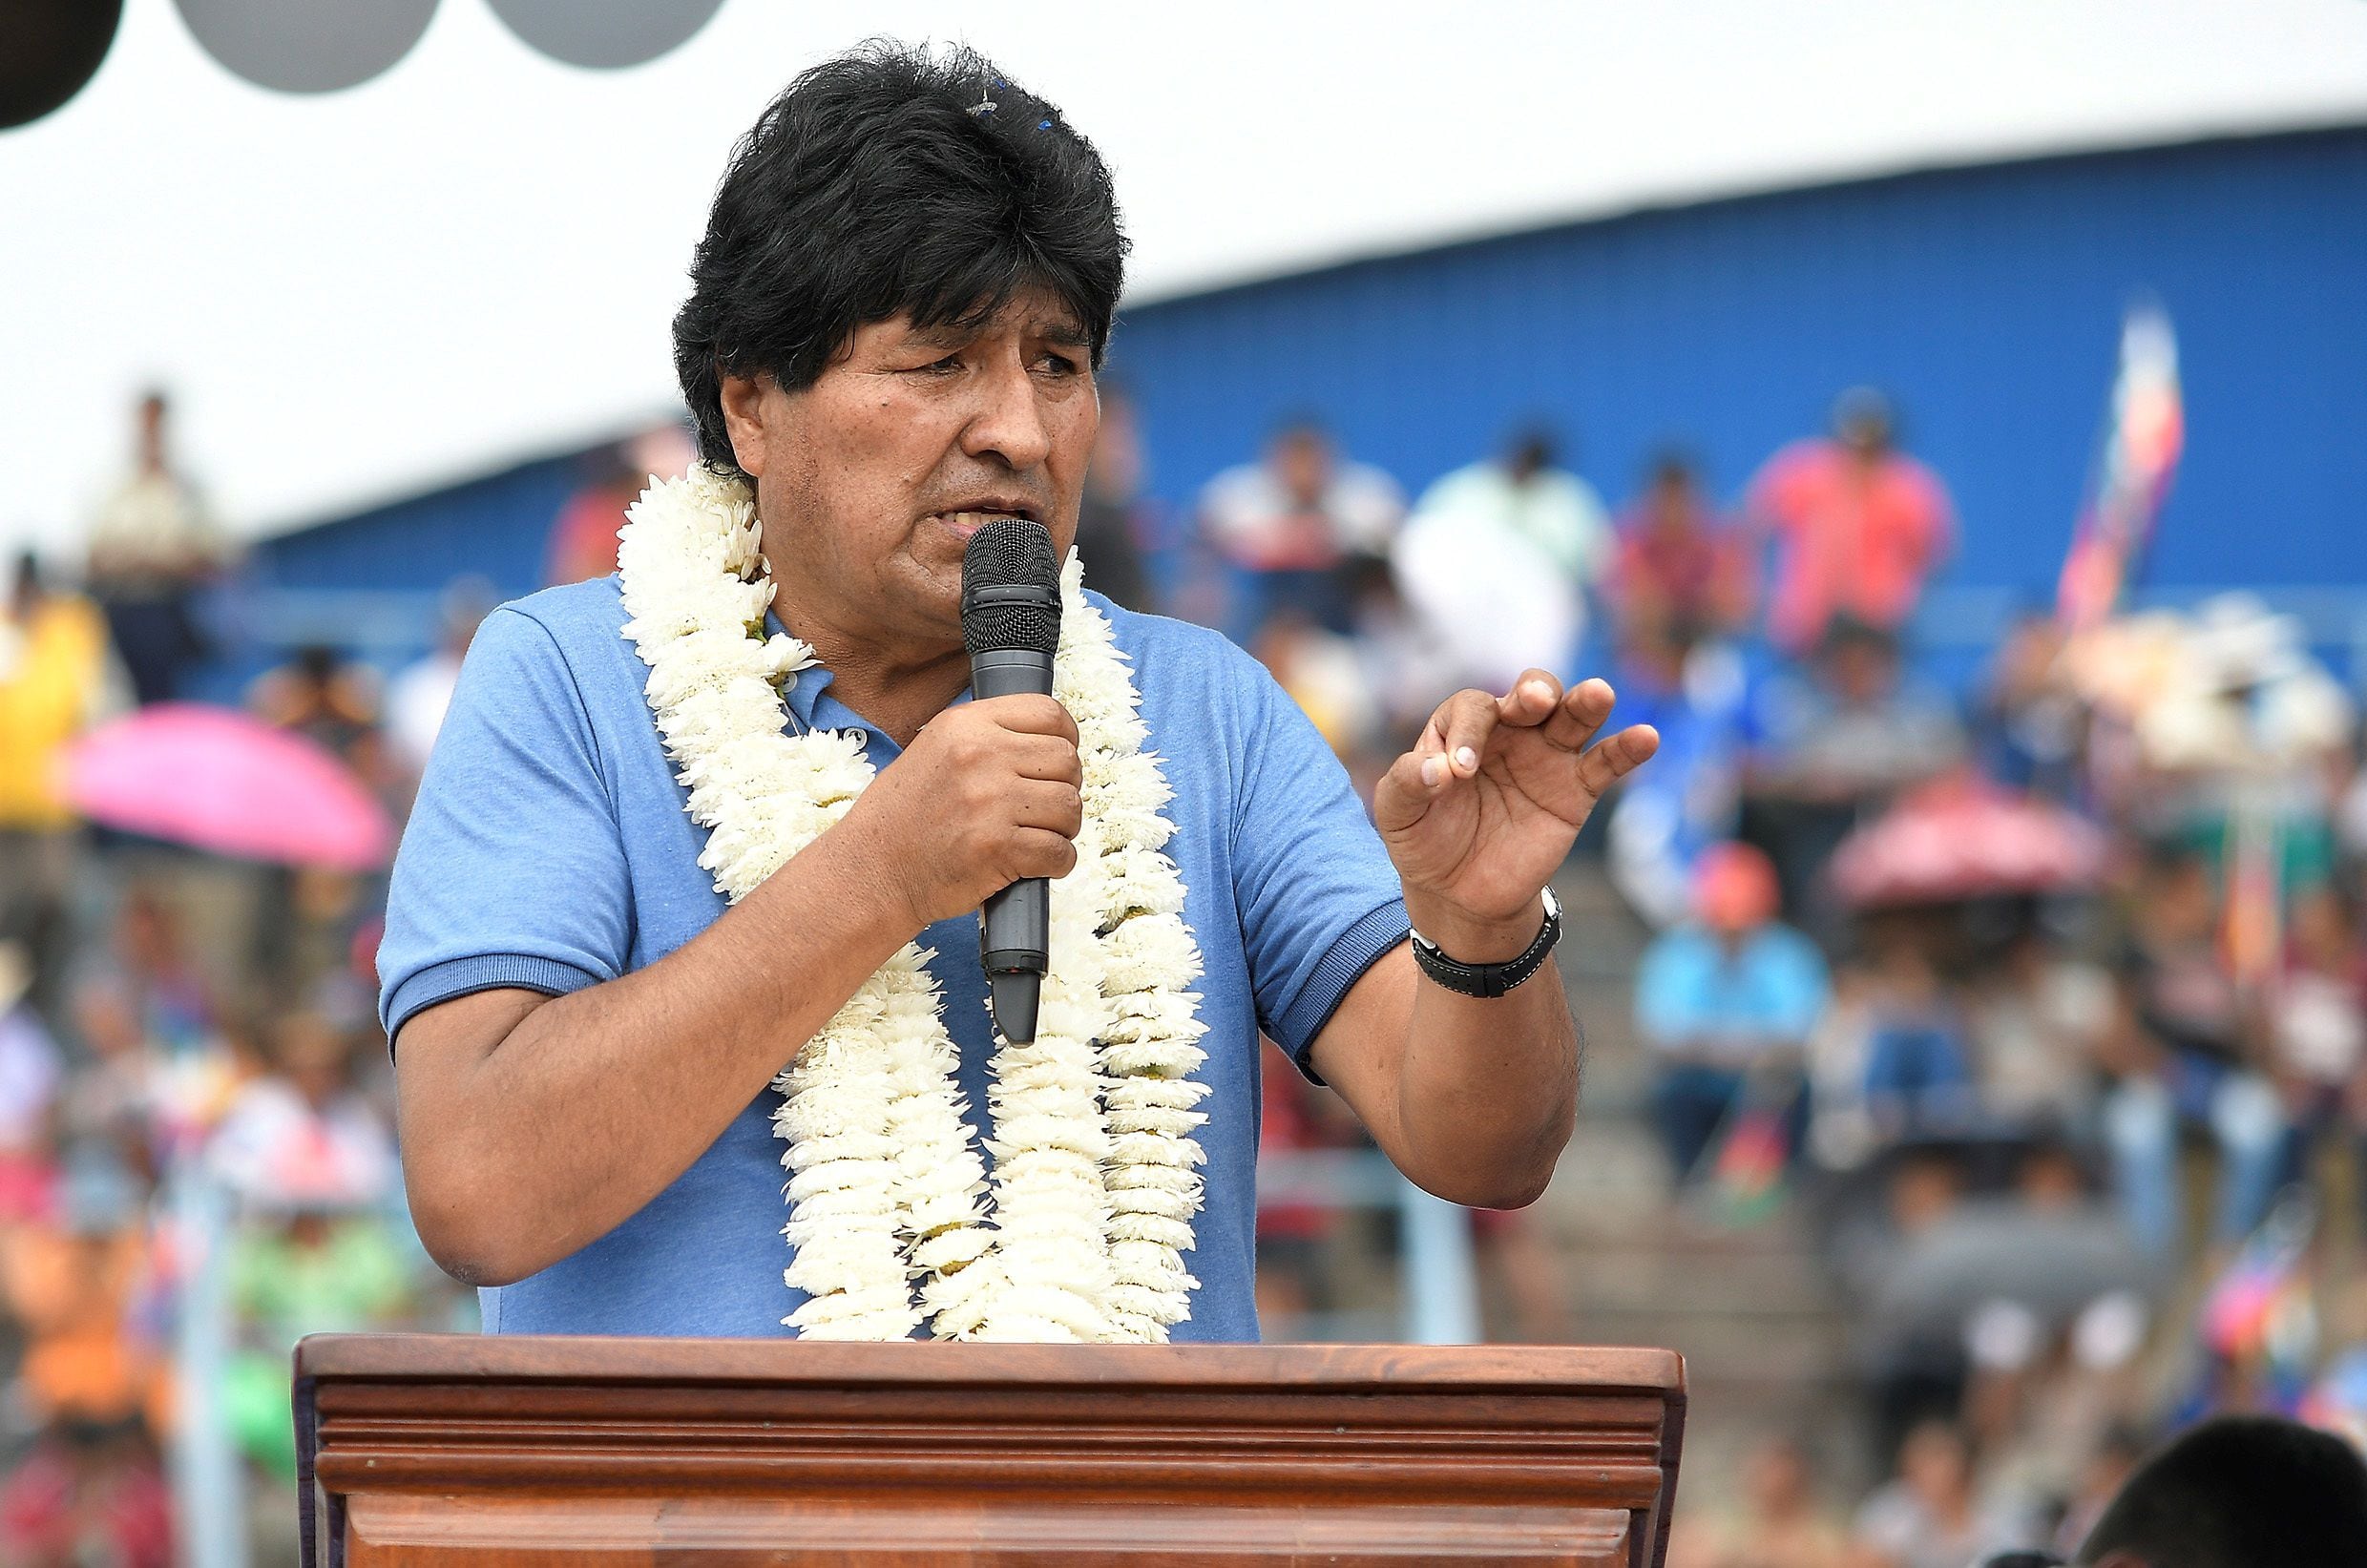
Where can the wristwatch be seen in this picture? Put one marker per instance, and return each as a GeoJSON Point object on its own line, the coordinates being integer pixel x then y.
{"type": "Point", "coordinates": [1490, 979]}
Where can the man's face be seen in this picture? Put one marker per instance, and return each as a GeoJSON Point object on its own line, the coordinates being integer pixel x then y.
{"type": "Point", "coordinates": [871, 481]}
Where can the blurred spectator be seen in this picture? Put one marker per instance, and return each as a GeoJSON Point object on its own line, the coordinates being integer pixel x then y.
{"type": "Point", "coordinates": [1111, 526]}
{"type": "Point", "coordinates": [1527, 495]}
{"type": "Point", "coordinates": [1727, 1003]}
{"type": "Point", "coordinates": [52, 666]}
{"type": "Point", "coordinates": [1780, 1524]}
{"type": "Point", "coordinates": [103, 1111]}
{"type": "Point", "coordinates": [324, 697]}
{"type": "Point", "coordinates": [2037, 1021]}
{"type": "Point", "coordinates": [2239, 1492]}
{"type": "Point", "coordinates": [89, 1494]}
{"type": "Point", "coordinates": [1917, 1078]}
{"type": "Point", "coordinates": [583, 537]}
{"type": "Point", "coordinates": [1407, 670]}
{"type": "Point", "coordinates": [28, 1078]}
{"type": "Point", "coordinates": [309, 914]}
{"type": "Point", "coordinates": [2106, 1470]}
{"type": "Point", "coordinates": [313, 1167]}
{"type": "Point", "coordinates": [2318, 1029]}
{"type": "Point", "coordinates": [151, 545]}
{"type": "Point", "coordinates": [1496, 560]}
{"type": "Point", "coordinates": [1666, 815]}
{"type": "Point", "coordinates": [1289, 524]}
{"type": "Point", "coordinates": [1858, 526]}
{"type": "Point", "coordinates": [1320, 672]}
{"type": "Point", "coordinates": [72, 1287]}
{"type": "Point", "coordinates": [1829, 742]}
{"type": "Point", "coordinates": [2048, 1295]}
{"type": "Point", "coordinates": [417, 699]}
{"type": "Point", "coordinates": [2185, 1059]}
{"type": "Point", "coordinates": [1679, 572]}
{"type": "Point", "coordinates": [1929, 1515]}
{"type": "Point", "coordinates": [2027, 722]}
{"type": "Point", "coordinates": [304, 1135]}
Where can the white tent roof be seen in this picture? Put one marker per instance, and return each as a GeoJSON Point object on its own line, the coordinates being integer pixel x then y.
{"type": "Point", "coordinates": [475, 256]}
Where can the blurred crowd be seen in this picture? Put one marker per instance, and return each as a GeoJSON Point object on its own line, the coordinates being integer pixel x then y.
{"type": "Point", "coordinates": [2039, 1007]}
{"type": "Point", "coordinates": [196, 1106]}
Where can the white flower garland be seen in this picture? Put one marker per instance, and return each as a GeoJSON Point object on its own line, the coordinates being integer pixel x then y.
{"type": "Point", "coordinates": [1096, 1174]}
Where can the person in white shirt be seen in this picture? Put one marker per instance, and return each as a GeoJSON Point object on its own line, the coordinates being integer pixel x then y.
{"type": "Point", "coordinates": [419, 694]}
{"type": "Point", "coordinates": [1292, 526]}
{"type": "Point", "coordinates": [1497, 557]}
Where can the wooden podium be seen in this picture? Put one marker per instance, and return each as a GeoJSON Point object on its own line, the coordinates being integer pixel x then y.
{"type": "Point", "coordinates": [453, 1451]}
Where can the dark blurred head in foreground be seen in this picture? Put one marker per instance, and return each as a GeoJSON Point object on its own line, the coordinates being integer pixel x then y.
{"type": "Point", "coordinates": [2240, 1492]}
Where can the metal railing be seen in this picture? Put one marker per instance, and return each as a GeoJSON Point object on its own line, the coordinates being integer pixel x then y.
{"type": "Point", "coordinates": [1438, 1277]}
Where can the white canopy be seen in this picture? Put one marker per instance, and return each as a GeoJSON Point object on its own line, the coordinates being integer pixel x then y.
{"type": "Point", "coordinates": [475, 256]}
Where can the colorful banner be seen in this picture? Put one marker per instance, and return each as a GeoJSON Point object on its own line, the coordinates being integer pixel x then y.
{"type": "Point", "coordinates": [2144, 435]}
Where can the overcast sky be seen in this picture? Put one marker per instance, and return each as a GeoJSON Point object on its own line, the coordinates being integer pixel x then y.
{"type": "Point", "coordinates": [473, 257]}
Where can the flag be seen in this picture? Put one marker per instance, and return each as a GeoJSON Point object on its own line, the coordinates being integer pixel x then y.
{"type": "Point", "coordinates": [2144, 433]}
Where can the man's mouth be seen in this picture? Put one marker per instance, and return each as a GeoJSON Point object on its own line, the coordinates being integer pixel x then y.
{"type": "Point", "coordinates": [969, 519]}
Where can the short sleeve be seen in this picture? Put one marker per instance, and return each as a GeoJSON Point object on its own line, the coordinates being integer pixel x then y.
{"type": "Point", "coordinates": [511, 870]}
{"type": "Point", "coordinates": [1318, 899]}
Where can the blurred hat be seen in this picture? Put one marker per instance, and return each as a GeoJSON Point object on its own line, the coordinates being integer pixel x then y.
{"type": "Point", "coordinates": [1734, 888]}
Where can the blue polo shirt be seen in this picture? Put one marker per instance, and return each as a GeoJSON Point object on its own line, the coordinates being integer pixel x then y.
{"type": "Point", "coordinates": [549, 849]}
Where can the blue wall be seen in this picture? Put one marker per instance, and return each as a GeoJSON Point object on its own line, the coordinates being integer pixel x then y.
{"type": "Point", "coordinates": [1986, 300]}
{"type": "Point", "coordinates": [497, 526]}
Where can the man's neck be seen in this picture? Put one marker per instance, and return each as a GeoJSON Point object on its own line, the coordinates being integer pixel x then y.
{"type": "Point", "coordinates": [897, 690]}
{"type": "Point", "coordinates": [897, 696]}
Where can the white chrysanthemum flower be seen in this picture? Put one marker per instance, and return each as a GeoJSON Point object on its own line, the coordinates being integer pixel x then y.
{"type": "Point", "coordinates": [1095, 1177]}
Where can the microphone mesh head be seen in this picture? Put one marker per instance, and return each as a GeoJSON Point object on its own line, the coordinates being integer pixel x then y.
{"type": "Point", "coordinates": [1011, 553]}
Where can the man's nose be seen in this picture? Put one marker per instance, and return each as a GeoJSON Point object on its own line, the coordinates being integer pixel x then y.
{"type": "Point", "coordinates": [1008, 423]}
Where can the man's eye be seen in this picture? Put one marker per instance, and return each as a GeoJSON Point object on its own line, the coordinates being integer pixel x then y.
{"type": "Point", "coordinates": [1061, 365]}
{"type": "Point", "coordinates": [950, 363]}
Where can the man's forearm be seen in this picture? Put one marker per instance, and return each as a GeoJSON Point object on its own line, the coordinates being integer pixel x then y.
{"type": "Point", "coordinates": [1488, 1091]}
{"type": "Point", "coordinates": [592, 1103]}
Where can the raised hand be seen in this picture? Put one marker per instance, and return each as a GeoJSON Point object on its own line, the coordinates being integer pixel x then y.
{"type": "Point", "coordinates": [1484, 809]}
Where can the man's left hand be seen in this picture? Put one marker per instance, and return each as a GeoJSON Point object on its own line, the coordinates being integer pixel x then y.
{"type": "Point", "coordinates": [1484, 809]}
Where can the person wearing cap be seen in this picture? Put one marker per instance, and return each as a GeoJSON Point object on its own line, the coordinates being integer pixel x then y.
{"type": "Point", "coordinates": [1727, 997]}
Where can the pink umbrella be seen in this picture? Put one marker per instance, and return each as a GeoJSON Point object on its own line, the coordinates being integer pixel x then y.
{"type": "Point", "coordinates": [1965, 838]}
{"type": "Point", "coordinates": [215, 779]}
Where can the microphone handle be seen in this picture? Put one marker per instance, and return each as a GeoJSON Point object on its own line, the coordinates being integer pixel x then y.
{"type": "Point", "coordinates": [1014, 925]}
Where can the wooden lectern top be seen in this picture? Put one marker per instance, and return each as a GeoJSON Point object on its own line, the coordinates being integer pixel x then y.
{"type": "Point", "coordinates": [458, 1451]}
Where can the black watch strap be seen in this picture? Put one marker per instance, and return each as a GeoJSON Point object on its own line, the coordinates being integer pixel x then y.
{"type": "Point", "coordinates": [1490, 979]}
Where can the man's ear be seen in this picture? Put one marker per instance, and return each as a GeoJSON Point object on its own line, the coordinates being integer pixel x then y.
{"type": "Point", "coordinates": [747, 400]}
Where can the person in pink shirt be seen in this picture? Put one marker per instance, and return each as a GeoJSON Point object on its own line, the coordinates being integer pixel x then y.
{"type": "Point", "coordinates": [1859, 526]}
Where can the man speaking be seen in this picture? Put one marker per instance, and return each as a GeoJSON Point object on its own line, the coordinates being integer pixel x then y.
{"type": "Point", "coordinates": [690, 893]}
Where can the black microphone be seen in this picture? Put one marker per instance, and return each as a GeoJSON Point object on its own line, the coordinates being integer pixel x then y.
{"type": "Point", "coordinates": [1010, 624]}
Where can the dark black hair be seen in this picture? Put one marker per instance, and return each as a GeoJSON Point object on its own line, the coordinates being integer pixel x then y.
{"type": "Point", "coordinates": [2241, 1491]}
{"type": "Point", "coordinates": [890, 181]}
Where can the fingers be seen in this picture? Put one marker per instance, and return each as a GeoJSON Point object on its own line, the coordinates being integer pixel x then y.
{"type": "Point", "coordinates": [1568, 719]}
{"type": "Point", "coordinates": [1581, 712]}
{"type": "Point", "coordinates": [1613, 760]}
{"type": "Point", "coordinates": [1029, 714]}
{"type": "Point", "coordinates": [1051, 758]}
{"type": "Point", "coordinates": [1048, 806]}
{"type": "Point", "coordinates": [1037, 852]}
{"type": "Point", "coordinates": [1532, 700]}
{"type": "Point", "coordinates": [1457, 737]}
